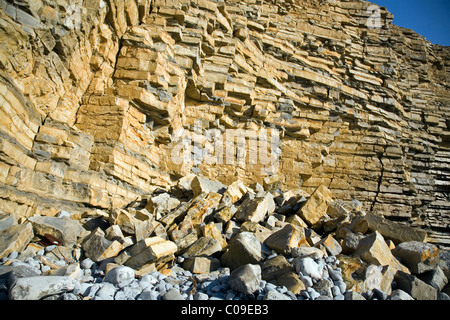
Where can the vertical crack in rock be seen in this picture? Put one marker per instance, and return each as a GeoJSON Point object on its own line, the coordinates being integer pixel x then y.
{"type": "Point", "coordinates": [380, 181]}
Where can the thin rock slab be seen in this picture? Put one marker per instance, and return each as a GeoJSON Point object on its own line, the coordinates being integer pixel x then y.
{"type": "Point", "coordinates": [36, 288]}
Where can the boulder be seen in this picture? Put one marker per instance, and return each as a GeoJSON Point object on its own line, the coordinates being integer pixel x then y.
{"type": "Point", "coordinates": [444, 262]}
{"type": "Point", "coordinates": [98, 248]}
{"type": "Point", "coordinates": [435, 278]}
{"type": "Point", "coordinates": [203, 247]}
{"type": "Point", "coordinates": [244, 248]}
{"type": "Point", "coordinates": [292, 282]}
{"type": "Point", "coordinates": [150, 250]}
{"type": "Point", "coordinates": [353, 295]}
{"type": "Point", "coordinates": [415, 287]}
{"type": "Point", "coordinates": [15, 238]}
{"type": "Point", "coordinates": [65, 229]}
{"type": "Point", "coordinates": [373, 249]}
{"type": "Point", "coordinates": [120, 276]}
{"type": "Point", "coordinates": [161, 204]}
{"type": "Point", "coordinates": [331, 245]}
{"type": "Point", "coordinates": [323, 287]}
{"type": "Point", "coordinates": [234, 193]}
{"type": "Point", "coordinates": [272, 183]}
{"type": "Point", "coordinates": [419, 257]}
{"type": "Point", "coordinates": [284, 240]}
{"type": "Point", "coordinates": [36, 288]}
{"type": "Point", "coordinates": [173, 294]}
{"type": "Point", "coordinates": [245, 279]}
{"type": "Point", "coordinates": [211, 230]}
{"type": "Point", "coordinates": [275, 267]}
{"type": "Point", "coordinates": [308, 267]}
{"type": "Point", "coordinates": [399, 294]}
{"type": "Point", "coordinates": [199, 265]}
{"type": "Point", "coordinates": [395, 231]}
{"type": "Point", "coordinates": [204, 208]}
{"type": "Point", "coordinates": [275, 295]}
{"type": "Point", "coordinates": [253, 210]}
{"type": "Point", "coordinates": [316, 206]}
{"type": "Point", "coordinates": [201, 185]}
{"type": "Point", "coordinates": [225, 214]}
{"type": "Point", "coordinates": [128, 223]}
{"type": "Point", "coordinates": [311, 252]}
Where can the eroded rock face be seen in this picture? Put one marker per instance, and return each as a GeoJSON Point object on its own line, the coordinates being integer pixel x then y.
{"type": "Point", "coordinates": [97, 101]}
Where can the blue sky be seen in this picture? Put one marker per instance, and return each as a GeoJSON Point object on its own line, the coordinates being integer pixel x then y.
{"type": "Point", "coordinates": [430, 18]}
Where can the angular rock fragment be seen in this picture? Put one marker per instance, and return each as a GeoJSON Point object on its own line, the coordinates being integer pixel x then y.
{"type": "Point", "coordinates": [245, 279]}
{"type": "Point", "coordinates": [373, 249]}
{"type": "Point", "coordinates": [415, 287]}
{"type": "Point", "coordinates": [128, 223]}
{"type": "Point", "coordinates": [393, 230]}
{"type": "Point", "coordinates": [292, 282]}
{"type": "Point", "coordinates": [419, 257]}
{"type": "Point", "coordinates": [98, 248]}
{"type": "Point", "coordinates": [435, 278]}
{"type": "Point", "coordinates": [150, 250]}
{"type": "Point", "coordinates": [203, 247]}
{"type": "Point", "coordinates": [198, 265]}
{"type": "Point", "coordinates": [255, 210]}
{"type": "Point", "coordinates": [201, 185]}
{"type": "Point", "coordinates": [275, 267]}
{"type": "Point", "coordinates": [284, 240]}
{"type": "Point", "coordinates": [243, 249]}
{"type": "Point", "coordinates": [234, 192]}
{"type": "Point", "coordinates": [15, 238]}
{"type": "Point", "coordinates": [331, 245]}
{"type": "Point", "coordinates": [316, 206]}
{"type": "Point", "coordinates": [203, 209]}
{"type": "Point", "coordinates": [307, 266]}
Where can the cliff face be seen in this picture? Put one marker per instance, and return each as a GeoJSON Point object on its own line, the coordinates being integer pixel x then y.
{"type": "Point", "coordinates": [98, 96]}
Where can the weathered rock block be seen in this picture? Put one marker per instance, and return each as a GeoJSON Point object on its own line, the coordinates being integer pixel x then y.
{"type": "Point", "coordinates": [15, 238]}
{"type": "Point", "coordinates": [373, 249]}
{"type": "Point", "coordinates": [316, 206]}
{"type": "Point", "coordinates": [284, 240]}
{"type": "Point", "coordinates": [419, 257]}
{"type": "Point", "coordinates": [243, 249]}
{"type": "Point", "coordinates": [415, 287]}
{"type": "Point", "coordinates": [36, 288]}
{"type": "Point", "coordinates": [245, 279]}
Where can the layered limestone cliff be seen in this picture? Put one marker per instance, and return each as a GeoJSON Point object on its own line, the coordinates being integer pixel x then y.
{"type": "Point", "coordinates": [97, 96]}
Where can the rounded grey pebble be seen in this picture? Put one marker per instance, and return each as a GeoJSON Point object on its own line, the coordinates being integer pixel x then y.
{"type": "Point", "coordinates": [106, 292]}
{"type": "Point", "coordinates": [121, 276]}
{"type": "Point", "coordinates": [200, 296]}
{"type": "Point", "coordinates": [86, 263]}
{"type": "Point", "coordinates": [13, 255]}
{"type": "Point", "coordinates": [172, 294]}
{"type": "Point", "coordinates": [69, 296]}
{"type": "Point", "coordinates": [148, 295]}
{"type": "Point", "coordinates": [335, 291]}
{"type": "Point", "coordinates": [50, 248]}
